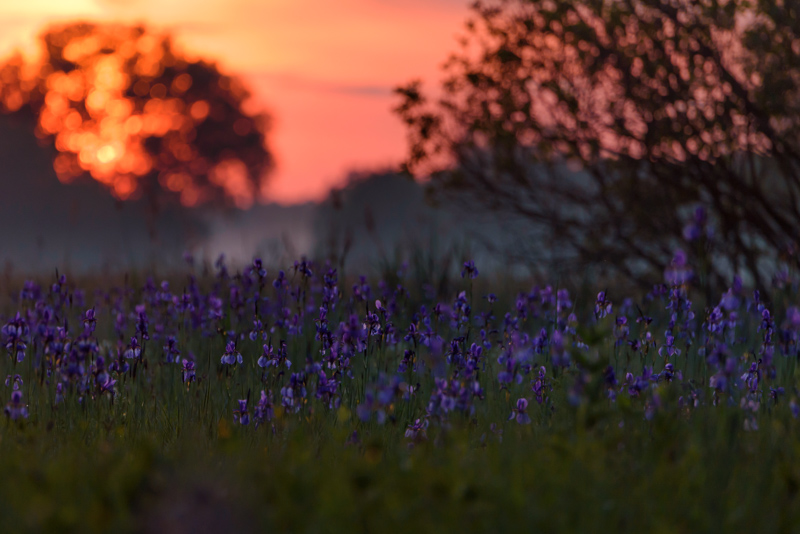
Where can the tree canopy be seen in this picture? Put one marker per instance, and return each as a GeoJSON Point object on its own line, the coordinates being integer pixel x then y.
{"type": "Point", "coordinates": [682, 118]}
{"type": "Point", "coordinates": [121, 105]}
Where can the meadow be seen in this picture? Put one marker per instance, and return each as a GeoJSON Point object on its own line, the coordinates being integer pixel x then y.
{"type": "Point", "coordinates": [312, 400]}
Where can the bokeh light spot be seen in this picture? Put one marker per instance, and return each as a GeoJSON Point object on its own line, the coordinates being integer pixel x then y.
{"type": "Point", "coordinates": [199, 110]}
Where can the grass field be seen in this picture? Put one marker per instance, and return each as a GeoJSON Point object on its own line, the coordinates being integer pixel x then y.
{"type": "Point", "coordinates": [307, 401]}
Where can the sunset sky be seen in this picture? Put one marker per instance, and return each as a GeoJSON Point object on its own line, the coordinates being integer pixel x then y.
{"type": "Point", "coordinates": [323, 69]}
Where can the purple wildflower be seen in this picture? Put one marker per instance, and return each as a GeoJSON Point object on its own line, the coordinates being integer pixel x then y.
{"type": "Point", "coordinates": [540, 385]}
{"type": "Point", "coordinates": [89, 321]}
{"type": "Point", "coordinates": [171, 351]}
{"type": "Point", "coordinates": [668, 349]}
{"type": "Point", "coordinates": [188, 371]}
{"type": "Point", "coordinates": [264, 411]}
{"type": "Point", "coordinates": [602, 306]}
{"type": "Point", "coordinates": [16, 334]}
{"type": "Point", "coordinates": [231, 356]}
{"type": "Point", "coordinates": [520, 413]}
{"type": "Point", "coordinates": [16, 409]}
{"type": "Point", "coordinates": [15, 383]}
{"type": "Point", "coordinates": [678, 271]}
{"type": "Point", "coordinates": [241, 415]}
{"type": "Point", "coordinates": [417, 431]}
{"type": "Point", "coordinates": [469, 270]}
{"type": "Point", "coordinates": [133, 350]}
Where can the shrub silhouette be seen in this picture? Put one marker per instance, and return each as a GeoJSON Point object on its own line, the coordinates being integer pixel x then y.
{"type": "Point", "coordinates": [682, 118]}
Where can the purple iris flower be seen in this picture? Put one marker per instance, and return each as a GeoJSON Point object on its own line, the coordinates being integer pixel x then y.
{"type": "Point", "coordinates": [188, 371]}
{"type": "Point", "coordinates": [540, 385]}
{"type": "Point", "coordinates": [678, 271]}
{"type": "Point", "coordinates": [15, 383]}
{"type": "Point", "coordinates": [519, 413]}
{"type": "Point", "coordinates": [241, 415]}
{"type": "Point", "coordinates": [669, 373]}
{"type": "Point", "coordinates": [280, 282]}
{"type": "Point", "coordinates": [638, 384]}
{"type": "Point", "coordinates": [409, 361]}
{"type": "Point", "coordinates": [327, 390]}
{"type": "Point", "coordinates": [214, 308]}
{"type": "Point", "coordinates": [258, 329]}
{"type": "Point", "coordinates": [469, 270]}
{"type": "Point", "coordinates": [171, 350]}
{"type": "Point", "coordinates": [668, 349]}
{"type": "Point", "coordinates": [89, 321]}
{"type": "Point", "coordinates": [264, 411]}
{"type": "Point", "coordinates": [231, 355]}
{"type": "Point", "coordinates": [714, 321]}
{"type": "Point", "coordinates": [621, 329]}
{"type": "Point", "coordinates": [752, 377]}
{"type": "Point", "coordinates": [269, 359]}
{"type": "Point", "coordinates": [16, 334]}
{"type": "Point", "coordinates": [729, 301]}
{"type": "Point", "coordinates": [142, 321]}
{"type": "Point", "coordinates": [16, 409]}
{"type": "Point", "coordinates": [107, 385]}
{"type": "Point", "coordinates": [287, 398]}
{"type": "Point", "coordinates": [303, 267]}
{"type": "Point", "coordinates": [258, 269]}
{"type": "Point", "coordinates": [417, 431]}
{"type": "Point", "coordinates": [134, 350]}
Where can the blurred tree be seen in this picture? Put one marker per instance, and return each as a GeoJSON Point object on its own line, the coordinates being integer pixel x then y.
{"type": "Point", "coordinates": [121, 105]}
{"type": "Point", "coordinates": [682, 118]}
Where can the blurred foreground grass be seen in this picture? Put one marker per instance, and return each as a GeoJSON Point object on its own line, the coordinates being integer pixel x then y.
{"type": "Point", "coordinates": [671, 474]}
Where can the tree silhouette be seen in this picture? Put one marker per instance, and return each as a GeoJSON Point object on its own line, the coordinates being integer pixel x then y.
{"type": "Point", "coordinates": [681, 116]}
{"type": "Point", "coordinates": [121, 105]}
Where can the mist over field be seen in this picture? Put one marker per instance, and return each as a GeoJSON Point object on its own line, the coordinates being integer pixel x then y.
{"type": "Point", "coordinates": [80, 228]}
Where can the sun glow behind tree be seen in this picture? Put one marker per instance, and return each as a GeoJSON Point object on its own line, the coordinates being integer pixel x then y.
{"type": "Point", "coordinates": [121, 105]}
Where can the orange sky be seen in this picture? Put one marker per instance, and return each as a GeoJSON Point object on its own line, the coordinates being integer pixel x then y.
{"type": "Point", "coordinates": [323, 68]}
